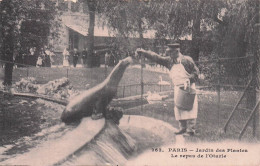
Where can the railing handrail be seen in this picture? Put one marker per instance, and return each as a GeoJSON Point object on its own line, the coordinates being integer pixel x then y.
{"type": "Point", "coordinates": [13, 62]}
{"type": "Point", "coordinates": [223, 59]}
{"type": "Point", "coordinates": [201, 61]}
{"type": "Point", "coordinates": [145, 83]}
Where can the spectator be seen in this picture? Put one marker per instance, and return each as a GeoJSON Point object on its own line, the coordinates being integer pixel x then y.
{"type": "Point", "coordinates": [96, 58]}
{"type": "Point", "coordinates": [84, 56]}
{"type": "Point", "coordinates": [66, 56]}
{"type": "Point", "coordinates": [47, 54]}
{"type": "Point", "coordinates": [52, 56]}
{"type": "Point", "coordinates": [111, 60]}
{"type": "Point", "coordinates": [75, 55]}
{"type": "Point", "coordinates": [42, 56]}
{"type": "Point", "coordinates": [107, 59]}
{"type": "Point", "coordinates": [32, 57]}
{"type": "Point", "coordinates": [39, 62]}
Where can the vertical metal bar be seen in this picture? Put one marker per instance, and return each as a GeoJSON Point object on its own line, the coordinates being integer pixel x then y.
{"type": "Point", "coordinates": [237, 104]}
{"type": "Point", "coordinates": [253, 101]}
{"type": "Point", "coordinates": [49, 75]}
{"type": "Point", "coordinates": [256, 74]}
{"type": "Point", "coordinates": [254, 124]}
{"type": "Point", "coordinates": [218, 89]}
{"type": "Point", "coordinates": [105, 70]}
{"type": "Point", "coordinates": [123, 91]}
{"type": "Point", "coordinates": [250, 117]}
{"type": "Point", "coordinates": [142, 84]}
{"type": "Point", "coordinates": [72, 40]}
{"type": "Point", "coordinates": [27, 71]}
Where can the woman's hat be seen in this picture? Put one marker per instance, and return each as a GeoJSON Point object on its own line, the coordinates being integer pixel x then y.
{"type": "Point", "coordinates": [174, 45]}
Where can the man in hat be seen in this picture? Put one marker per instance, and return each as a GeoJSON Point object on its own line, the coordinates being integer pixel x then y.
{"type": "Point", "coordinates": [75, 56]}
{"type": "Point", "coordinates": [183, 71]}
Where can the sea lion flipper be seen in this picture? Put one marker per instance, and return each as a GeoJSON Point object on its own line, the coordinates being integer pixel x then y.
{"type": "Point", "coordinates": [99, 109]}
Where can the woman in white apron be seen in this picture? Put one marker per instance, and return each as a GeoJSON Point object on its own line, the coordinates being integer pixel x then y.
{"type": "Point", "coordinates": [66, 56]}
{"type": "Point", "coordinates": [182, 70]}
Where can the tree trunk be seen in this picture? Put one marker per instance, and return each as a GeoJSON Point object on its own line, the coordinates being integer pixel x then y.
{"type": "Point", "coordinates": [141, 36]}
{"type": "Point", "coordinates": [7, 47]}
{"type": "Point", "coordinates": [196, 35]}
{"type": "Point", "coordinates": [8, 74]}
{"type": "Point", "coordinates": [8, 56]}
{"type": "Point", "coordinates": [91, 60]}
{"type": "Point", "coordinates": [140, 31]}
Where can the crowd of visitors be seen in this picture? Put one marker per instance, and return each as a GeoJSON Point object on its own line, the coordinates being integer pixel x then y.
{"type": "Point", "coordinates": [42, 57]}
{"type": "Point", "coordinates": [72, 57]}
{"type": "Point", "coordinates": [75, 54]}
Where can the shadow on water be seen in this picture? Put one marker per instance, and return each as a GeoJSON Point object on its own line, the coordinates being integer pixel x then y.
{"type": "Point", "coordinates": [32, 132]}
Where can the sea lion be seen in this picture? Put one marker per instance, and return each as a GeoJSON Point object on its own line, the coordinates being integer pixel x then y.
{"type": "Point", "coordinates": [96, 99]}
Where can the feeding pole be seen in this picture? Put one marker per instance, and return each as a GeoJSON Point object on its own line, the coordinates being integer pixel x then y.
{"type": "Point", "coordinates": [142, 61]}
{"type": "Point", "coordinates": [142, 84]}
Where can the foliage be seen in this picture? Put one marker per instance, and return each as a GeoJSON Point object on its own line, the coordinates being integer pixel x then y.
{"type": "Point", "coordinates": [235, 36]}
{"type": "Point", "coordinates": [219, 28]}
{"type": "Point", "coordinates": [24, 24]}
{"type": "Point", "coordinates": [236, 32]}
{"type": "Point", "coordinates": [127, 19]}
{"type": "Point", "coordinates": [32, 22]}
{"type": "Point", "coordinates": [169, 19]}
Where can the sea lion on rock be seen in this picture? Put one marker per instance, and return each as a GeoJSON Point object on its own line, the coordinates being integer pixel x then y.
{"type": "Point", "coordinates": [94, 101]}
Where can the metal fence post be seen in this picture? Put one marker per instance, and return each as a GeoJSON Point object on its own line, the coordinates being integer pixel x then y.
{"type": "Point", "coordinates": [218, 88]}
{"type": "Point", "coordinates": [105, 71]}
{"type": "Point", "coordinates": [256, 119]}
{"type": "Point", "coordinates": [142, 84]}
{"type": "Point", "coordinates": [253, 95]}
{"type": "Point", "coordinates": [27, 71]}
{"type": "Point", "coordinates": [123, 91]}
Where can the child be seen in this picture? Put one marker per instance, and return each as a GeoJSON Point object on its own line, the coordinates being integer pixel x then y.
{"type": "Point", "coordinates": [39, 62]}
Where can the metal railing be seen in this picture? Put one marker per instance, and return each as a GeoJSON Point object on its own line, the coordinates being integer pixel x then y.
{"type": "Point", "coordinates": [222, 74]}
{"type": "Point", "coordinates": [135, 89]}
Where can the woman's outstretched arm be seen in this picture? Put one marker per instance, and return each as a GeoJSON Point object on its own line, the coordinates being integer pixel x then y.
{"type": "Point", "coordinates": [165, 61]}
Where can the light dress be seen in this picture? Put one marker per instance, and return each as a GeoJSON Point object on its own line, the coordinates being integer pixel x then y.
{"type": "Point", "coordinates": [66, 55]}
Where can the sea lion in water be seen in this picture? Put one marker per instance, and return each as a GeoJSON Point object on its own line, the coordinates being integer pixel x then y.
{"type": "Point", "coordinates": [97, 98]}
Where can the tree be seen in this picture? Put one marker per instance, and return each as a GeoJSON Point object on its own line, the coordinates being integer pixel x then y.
{"type": "Point", "coordinates": [127, 19]}
{"type": "Point", "coordinates": [14, 15]}
{"type": "Point", "coordinates": [234, 40]}
{"type": "Point", "coordinates": [8, 20]}
{"type": "Point", "coordinates": [91, 6]}
{"type": "Point", "coordinates": [170, 19]}
{"type": "Point", "coordinates": [175, 19]}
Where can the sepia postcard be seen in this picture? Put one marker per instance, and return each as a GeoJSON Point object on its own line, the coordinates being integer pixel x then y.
{"type": "Point", "coordinates": [130, 82]}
